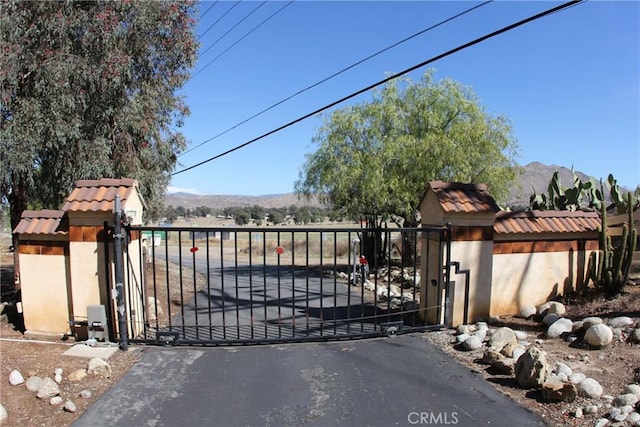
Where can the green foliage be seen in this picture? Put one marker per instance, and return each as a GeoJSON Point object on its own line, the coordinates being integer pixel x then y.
{"type": "Point", "coordinates": [375, 158]}
{"type": "Point", "coordinates": [611, 268]}
{"type": "Point", "coordinates": [566, 198]}
{"type": "Point", "coordinates": [90, 90]}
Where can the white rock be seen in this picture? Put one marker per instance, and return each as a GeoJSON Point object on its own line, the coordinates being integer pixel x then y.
{"type": "Point", "coordinates": [598, 335]}
{"type": "Point", "coordinates": [561, 368]}
{"type": "Point", "coordinates": [590, 388]}
{"type": "Point", "coordinates": [590, 409]}
{"type": "Point", "coordinates": [463, 329]}
{"type": "Point", "coordinates": [98, 366]}
{"type": "Point", "coordinates": [521, 335]}
{"type": "Point", "coordinates": [627, 409]}
{"type": "Point", "coordinates": [56, 400]}
{"type": "Point", "coordinates": [517, 352]}
{"type": "Point", "coordinates": [629, 399]}
{"type": "Point", "coordinates": [633, 418]}
{"type": "Point", "coordinates": [34, 383]}
{"type": "Point", "coordinates": [69, 406]}
{"type": "Point", "coordinates": [85, 394]}
{"type": "Point", "coordinates": [602, 422]}
{"type": "Point", "coordinates": [57, 371]}
{"type": "Point", "coordinates": [634, 337]}
{"type": "Point", "coordinates": [481, 333]}
{"type": "Point", "coordinates": [578, 412]}
{"type": "Point", "coordinates": [472, 343]}
{"type": "Point", "coordinates": [542, 309]}
{"type": "Point", "coordinates": [527, 311]}
{"type": "Point", "coordinates": [501, 337]}
{"type": "Point", "coordinates": [15, 377]}
{"type": "Point", "coordinates": [617, 415]}
{"type": "Point", "coordinates": [556, 308]}
{"type": "Point", "coordinates": [57, 378]}
{"type": "Point", "coordinates": [49, 388]}
{"type": "Point", "coordinates": [550, 318]}
{"type": "Point", "coordinates": [577, 377]}
{"type": "Point", "coordinates": [633, 389]}
{"type": "Point", "coordinates": [559, 327]}
{"type": "Point", "coordinates": [77, 375]}
{"type": "Point", "coordinates": [588, 322]}
{"type": "Point", "coordinates": [620, 322]}
{"type": "Point", "coordinates": [4, 416]}
{"type": "Point", "coordinates": [462, 338]}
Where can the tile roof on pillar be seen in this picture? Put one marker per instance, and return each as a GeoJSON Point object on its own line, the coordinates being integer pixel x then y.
{"type": "Point", "coordinates": [99, 195]}
{"type": "Point", "coordinates": [460, 197]}
{"type": "Point", "coordinates": [44, 221]}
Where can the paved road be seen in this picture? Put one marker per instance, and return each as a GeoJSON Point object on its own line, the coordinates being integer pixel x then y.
{"type": "Point", "coordinates": [379, 382]}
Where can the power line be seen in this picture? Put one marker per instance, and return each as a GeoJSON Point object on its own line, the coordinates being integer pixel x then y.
{"type": "Point", "coordinates": [218, 20]}
{"type": "Point", "coordinates": [242, 38]}
{"type": "Point", "coordinates": [391, 77]}
{"type": "Point", "coordinates": [232, 28]}
{"type": "Point", "coordinates": [338, 73]}
{"type": "Point", "coordinates": [209, 8]}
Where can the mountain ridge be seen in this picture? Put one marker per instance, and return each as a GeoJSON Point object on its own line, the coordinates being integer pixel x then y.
{"type": "Point", "coordinates": [535, 175]}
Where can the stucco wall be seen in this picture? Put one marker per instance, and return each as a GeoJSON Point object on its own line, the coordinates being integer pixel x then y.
{"type": "Point", "coordinates": [537, 273]}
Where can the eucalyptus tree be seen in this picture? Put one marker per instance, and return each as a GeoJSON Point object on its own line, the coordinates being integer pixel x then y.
{"type": "Point", "coordinates": [90, 90]}
{"type": "Point", "coordinates": [375, 158]}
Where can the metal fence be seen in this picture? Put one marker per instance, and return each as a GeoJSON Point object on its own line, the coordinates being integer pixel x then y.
{"type": "Point", "coordinates": [224, 286]}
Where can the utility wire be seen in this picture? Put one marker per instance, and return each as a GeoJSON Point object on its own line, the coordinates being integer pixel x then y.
{"type": "Point", "coordinates": [337, 73]}
{"type": "Point", "coordinates": [242, 38]}
{"type": "Point", "coordinates": [233, 28]}
{"type": "Point", "coordinates": [209, 8]}
{"type": "Point", "coordinates": [391, 77]}
{"type": "Point", "coordinates": [218, 20]}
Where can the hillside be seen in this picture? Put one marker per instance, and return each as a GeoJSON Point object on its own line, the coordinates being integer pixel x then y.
{"type": "Point", "coordinates": [535, 175]}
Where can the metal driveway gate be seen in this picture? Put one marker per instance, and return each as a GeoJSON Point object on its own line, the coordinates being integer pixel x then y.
{"type": "Point", "coordinates": [223, 286]}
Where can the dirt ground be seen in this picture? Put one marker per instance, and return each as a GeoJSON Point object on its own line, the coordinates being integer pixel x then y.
{"type": "Point", "coordinates": [614, 367]}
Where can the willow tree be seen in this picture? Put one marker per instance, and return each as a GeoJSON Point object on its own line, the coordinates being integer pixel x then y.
{"type": "Point", "coordinates": [375, 158]}
{"type": "Point", "coordinates": [90, 90]}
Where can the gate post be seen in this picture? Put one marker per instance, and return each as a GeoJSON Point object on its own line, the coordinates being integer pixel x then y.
{"type": "Point", "coordinates": [118, 237]}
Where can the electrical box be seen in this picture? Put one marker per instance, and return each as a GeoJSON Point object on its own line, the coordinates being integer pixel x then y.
{"type": "Point", "coordinates": [97, 322]}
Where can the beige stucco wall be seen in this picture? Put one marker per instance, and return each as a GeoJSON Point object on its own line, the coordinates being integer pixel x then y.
{"type": "Point", "coordinates": [87, 273]}
{"type": "Point", "coordinates": [44, 294]}
{"type": "Point", "coordinates": [533, 278]}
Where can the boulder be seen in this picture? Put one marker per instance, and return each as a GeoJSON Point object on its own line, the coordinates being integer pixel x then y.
{"type": "Point", "coordinates": [588, 322]}
{"type": "Point", "coordinates": [56, 400]}
{"type": "Point", "coordinates": [463, 330]}
{"type": "Point", "coordinates": [531, 369]}
{"type": "Point", "coordinates": [48, 389]}
{"type": "Point", "coordinates": [100, 367]}
{"type": "Point", "coordinates": [509, 349]}
{"type": "Point", "coordinates": [542, 309]}
{"type": "Point", "coordinates": [472, 343]}
{"type": "Point", "coordinates": [598, 335]}
{"type": "Point", "coordinates": [491, 356]}
{"type": "Point", "coordinates": [4, 416]}
{"type": "Point", "coordinates": [590, 388]}
{"type": "Point", "coordinates": [69, 406]}
{"type": "Point", "coordinates": [15, 377]}
{"type": "Point", "coordinates": [34, 383]}
{"type": "Point", "coordinates": [505, 366]}
{"type": "Point", "coordinates": [633, 389]}
{"type": "Point", "coordinates": [634, 337]}
{"type": "Point", "coordinates": [559, 327]}
{"type": "Point", "coordinates": [556, 308]}
{"type": "Point", "coordinates": [627, 399]}
{"type": "Point", "coordinates": [577, 377]}
{"type": "Point", "coordinates": [528, 311]}
{"type": "Point", "coordinates": [77, 375]}
{"type": "Point", "coordinates": [549, 319]}
{"type": "Point", "coordinates": [559, 392]}
{"type": "Point", "coordinates": [620, 322]}
{"type": "Point", "coordinates": [501, 337]}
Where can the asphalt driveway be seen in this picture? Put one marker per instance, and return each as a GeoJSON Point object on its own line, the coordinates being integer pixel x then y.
{"type": "Point", "coordinates": [401, 380]}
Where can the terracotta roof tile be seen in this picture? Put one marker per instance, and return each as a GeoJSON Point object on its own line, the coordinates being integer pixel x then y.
{"type": "Point", "coordinates": [98, 195]}
{"type": "Point", "coordinates": [459, 197]}
{"type": "Point", "coordinates": [546, 222]}
{"type": "Point", "coordinates": [43, 222]}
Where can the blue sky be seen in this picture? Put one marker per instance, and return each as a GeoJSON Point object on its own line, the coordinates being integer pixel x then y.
{"type": "Point", "coordinates": [568, 82]}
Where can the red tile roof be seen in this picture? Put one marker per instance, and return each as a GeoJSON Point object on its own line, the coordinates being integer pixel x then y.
{"type": "Point", "coordinates": [43, 222]}
{"type": "Point", "coordinates": [546, 222]}
{"type": "Point", "coordinates": [99, 195]}
{"type": "Point", "coordinates": [459, 197]}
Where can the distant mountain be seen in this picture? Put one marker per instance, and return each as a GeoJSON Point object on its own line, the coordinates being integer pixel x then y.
{"type": "Point", "coordinates": [534, 175]}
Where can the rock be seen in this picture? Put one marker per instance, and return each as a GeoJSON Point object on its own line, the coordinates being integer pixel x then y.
{"type": "Point", "coordinates": [633, 389]}
{"type": "Point", "coordinates": [601, 422]}
{"type": "Point", "coordinates": [634, 337]}
{"type": "Point", "coordinates": [559, 327]}
{"type": "Point", "coordinates": [561, 368]}
{"type": "Point", "coordinates": [620, 322]}
{"type": "Point", "coordinates": [578, 412]}
{"type": "Point", "coordinates": [588, 322]}
{"type": "Point", "coordinates": [98, 366]}
{"type": "Point", "coordinates": [517, 352]}
{"type": "Point", "coordinates": [617, 415]}
{"type": "Point", "coordinates": [77, 375]}
{"type": "Point", "coordinates": [627, 399]}
{"type": "Point", "coordinates": [85, 394]}
{"type": "Point", "coordinates": [598, 335]}
{"type": "Point", "coordinates": [510, 348]}
{"type": "Point", "coordinates": [57, 378]}
{"type": "Point", "coordinates": [493, 320]}
{"type": "Point", "coordinates": [57, 371]}
{"type": "Point", "coordinates": [34, 383]}
{"type": "Point", "coordinates": [633, 418]}
{"type": "Point", "coordinates": [590, 388]}
{"type": "Point", "coordinates": [15, 377]}
{"type": "Point", "coordinates": [49, 388]}
{"type": "Point", "coordinates": [463, 330]}
{"type": "Point", "coordinates": [481, 333]}
{"type": "Point", "coordinates": [4, 416]}
{"type": "Point", "coordinates": [577, 377]}
{"type": "Point", "coordinates": [491, 356]}
{"type": "Point", "coordinates": [556, 308]}
{"type": "Point", "coordinates": [56, 400]}
{"type": "Point", "coordinates": [528, 311]}
{"type": "Point", "coordinates": [462, 338]}
{"type": "Point", "coordinates": [521, 335]}
{"type": "Point", "coordinates": [578, 325]}
{"type": "Point", "coordinates": [472, 343]}
{"type": "Point", "coordinates": [531, 369]}
{"type": "Point", "coordinates": [542, 309]}
{"type": "Point", "coordinates": [505, 366]}
{"type": "Point", "coordinates": [155, 309]}
{"type": "Point", "coordinates": [591, 409]}
{"type": "Point", "coordinates": [501, 337]}
{"type": "Point", "coordinates": [69, 406]}
{"type": "Point", "coordinates": [559, 392]}
{"type": "Point", "coordinates": [549, 319]}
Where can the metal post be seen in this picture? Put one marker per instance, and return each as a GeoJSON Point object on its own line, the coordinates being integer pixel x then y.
{"type": "Point", "coordinates": [448, 315]}
{"type": "Point", "coordinates": [118, 237]}
{"type": "Point", "coordinates": [355, 241]}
